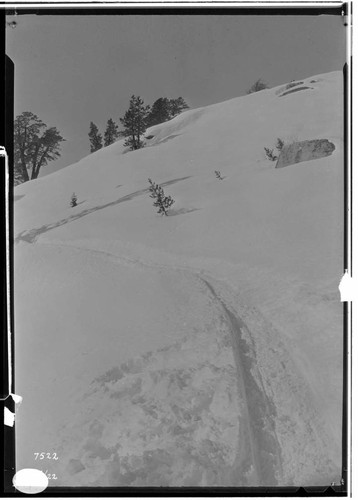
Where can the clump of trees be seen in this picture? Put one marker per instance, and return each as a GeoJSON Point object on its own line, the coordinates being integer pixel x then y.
{"type": "Point", "coordinates": [140, 116]}
{"type": "Point", "coordinates": [177, 106]}
{"type": "Point", "coordinates": [159, 112]}
{"type": "Point", "coordinates": [257, 86]}
{"type": "Point", "coordinates": [135, 121]}
{"type": "Point", "coordinates": [165, 109]}
{"type": "Point", "coordinates": [35, 145]}
{"type": "Point", "coordinates": [162, 202]}
{"type": "Point", "coordinates": [111, 134]}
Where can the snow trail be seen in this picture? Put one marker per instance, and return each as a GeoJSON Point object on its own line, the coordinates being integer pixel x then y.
{"type": "Point", "coordinates": [258, 430]}
{"type": "Point", "coordinates": [258, 461]}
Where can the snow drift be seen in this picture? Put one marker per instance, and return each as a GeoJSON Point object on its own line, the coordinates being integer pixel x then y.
{"type": "Point", "coordinates": [202, 348]}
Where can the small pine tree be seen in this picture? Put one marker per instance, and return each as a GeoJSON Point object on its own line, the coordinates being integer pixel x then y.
{"type": "Point", "coordinates": [218, 175]}
{"type": "Point", "coordinates": [95, 138]}
{"type": "Point", "coordinates": [279, 144]}
{"type": "Point", "coordinates": [162, 202]}
{"type": "Point", "coordinates": [257, 86]}
{"type": "Point", "coordinates": [111, 134]}
{"type": "Point", "coordinates": [73, 200]}
{"type": "Point", "coordinates": [270, 155]}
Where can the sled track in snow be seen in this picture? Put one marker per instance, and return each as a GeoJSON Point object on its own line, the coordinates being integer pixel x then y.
{"type": "Point", "coordinates": [260, 461]}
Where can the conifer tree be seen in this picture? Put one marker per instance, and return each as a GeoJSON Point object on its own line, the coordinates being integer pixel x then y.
{"type": "Point", "coordinates": [34, 146]}
{"type": "Point", "coordinates": [257, 86]}
{"type": "Point", "coordinates": [160, 112]}
{"type": "Point", "coordinates": [73, 201]}
{"type": "Point", "coordinates": [111, 134]}
{"type": "Point", "coordinates": [95, 138]}
{"type": "Point", "coordinates": [279, 144]}
{"type": "Point", "coordinates": [134, 122]}
{"type": "Point", "coordinates": [270, 154]}
{"type": "Point", "coordinates": [162, 202]}
{"type": "Point", "coordinates": [177, 106]}
{"type": "Point", "coordinates": [218, 175]}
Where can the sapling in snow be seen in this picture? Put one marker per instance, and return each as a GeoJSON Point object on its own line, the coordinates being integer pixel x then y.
{"type": "Point", "coordinates": [162, 202]}
{"type": "Point", "coordinates": [270, 154]}
{"type": "Point", "coordinates": [73, 200]}
{"type": "Point", "coordinates": [279, 144]}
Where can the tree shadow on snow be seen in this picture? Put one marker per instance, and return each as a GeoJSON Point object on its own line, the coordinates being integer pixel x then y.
{"type": "Point", "coordinates": [172, 212]}
{"type": "Point", "coordinates": [166, 139]}
{"type": "Point", "coordinates": [31, 235]}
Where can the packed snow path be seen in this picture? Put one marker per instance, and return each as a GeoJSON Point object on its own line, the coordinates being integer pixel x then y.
{"type": "Point", "coordinates": [260, 453]}
{"type": "Point", "coordinates": [279, 436]}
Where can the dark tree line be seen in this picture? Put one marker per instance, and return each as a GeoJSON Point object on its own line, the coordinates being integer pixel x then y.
{"type": "Point", "coordinates": [165, 109]}
{"type": "Point", "coordinates": [34, 146]}
{"type": "Point", "coordinates": [135, 121]}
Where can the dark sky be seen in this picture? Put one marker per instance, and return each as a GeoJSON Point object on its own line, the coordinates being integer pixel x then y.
{"type": "Point", "coordinates": [73, 70]}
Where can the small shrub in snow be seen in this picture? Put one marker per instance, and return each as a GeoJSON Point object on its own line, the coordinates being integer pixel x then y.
{"type": "Point", "coordinates": [218, 175]}
{"type": "Point", "coordinates": [270, 154]}
{"type": "Point", "coordinates": [162, 202]}
{"type": "Point", "coordinates": [279, 144]}
{"type": "Point", "coordinates": [73, 200]}
{"type": "Point", "coordinates": [257, 86]}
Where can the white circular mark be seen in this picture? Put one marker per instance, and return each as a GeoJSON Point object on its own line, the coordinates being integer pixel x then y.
{"type": "Point", "coordinates": [30, 481]}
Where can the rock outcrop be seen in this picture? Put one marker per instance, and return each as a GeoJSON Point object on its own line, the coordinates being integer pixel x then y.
{"type": "Point", "coordinates": [304, 151]}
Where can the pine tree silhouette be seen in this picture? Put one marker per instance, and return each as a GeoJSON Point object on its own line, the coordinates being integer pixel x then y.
{"type": "Point", "coordinates": [95, 138]}
{"type": "Point", "coordinates": [270, 155]}
{"type": "Point", "coordinates": [111, 134]}
{"type": "Point", "coordinates": [218, 174]}
{"type": "Point", "coordinates": [162, 202]}
{"type": "Point", "coordinates": [73, 200]}
{"type": "Point", "coordinates": [134, 122]}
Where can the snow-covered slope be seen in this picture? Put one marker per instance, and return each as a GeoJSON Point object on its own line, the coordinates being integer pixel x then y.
{"type": "Point", "coordinates": [202, 348]}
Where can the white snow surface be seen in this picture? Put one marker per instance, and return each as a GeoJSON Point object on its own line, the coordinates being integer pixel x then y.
{"type": "Point", "coordinates": [199, 349]}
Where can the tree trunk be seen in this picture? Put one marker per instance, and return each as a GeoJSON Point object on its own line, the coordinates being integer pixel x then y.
{"type": "Point", "coordinates": [24, 172]}
{"type": "Point", "coordinates": [36, 167]}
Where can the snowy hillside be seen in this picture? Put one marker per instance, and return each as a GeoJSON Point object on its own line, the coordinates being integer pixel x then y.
{"type": "Point", "coordinates": [202, 348]}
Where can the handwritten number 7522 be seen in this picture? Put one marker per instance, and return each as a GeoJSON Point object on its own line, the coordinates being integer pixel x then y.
{"type": "Point", "coordinates": [45, 456]}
